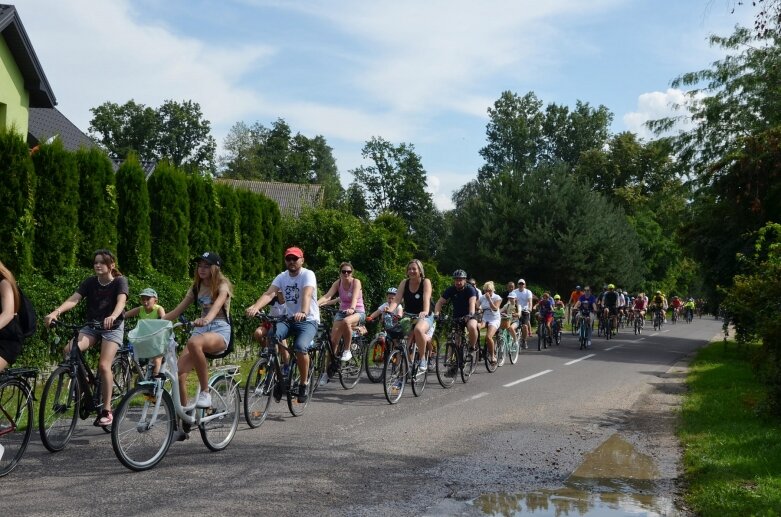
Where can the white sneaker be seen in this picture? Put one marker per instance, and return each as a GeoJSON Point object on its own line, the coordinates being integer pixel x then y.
{"type": "Point", "coordinates": [346, 355]}
{"type": "Point", "coordinates": [204, 400]}
{"type": "Point", "coordinates": [423, 366]}
{"type": "Point", "coordinates": [323, 379]}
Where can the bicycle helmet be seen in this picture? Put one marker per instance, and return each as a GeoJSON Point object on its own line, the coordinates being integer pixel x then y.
{"type": "Point", "coordinates": [611, 286]}
{"type": "Point", "coordinates": [459, 273]}
{"type": "Point", "coordinates": [391, 290]}
{"type": "Point", "coordinates": [557, 297]}
{"type": "Point", "coordinates": [577, 288]}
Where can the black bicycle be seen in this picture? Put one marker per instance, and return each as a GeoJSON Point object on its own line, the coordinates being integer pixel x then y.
{"type": "Point", "coordinates": [403, 363]}
{"type": "Point", "coordinates": [17, 392]}
{"type": "Point", "coordinates": [455, 355]}
{"type": "Point", "coordinates": [349, 371]}
{"type": "Point", "coordinates": [73, 391]}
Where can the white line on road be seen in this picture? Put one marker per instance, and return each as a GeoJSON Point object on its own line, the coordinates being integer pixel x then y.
{"type": "Point", "coordinates": [479, 395]}
{"type": "Point", "coordinates": [584, 357]}
{"type": "Point", "coordinates": [530, 377]}
{"type": "Point", "coordinates": [611, 348]}
{"type": "Point", "coordinates": [642, 338]}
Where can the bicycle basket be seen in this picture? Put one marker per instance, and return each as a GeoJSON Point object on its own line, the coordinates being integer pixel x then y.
{"type": "Point", "coordinates": [150, 337]}
{"type": "Point", "coordinates": [400, 329]}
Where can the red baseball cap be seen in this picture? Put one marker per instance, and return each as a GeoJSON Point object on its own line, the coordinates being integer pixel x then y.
{"type": "Point", "coordinates": [296, 252]}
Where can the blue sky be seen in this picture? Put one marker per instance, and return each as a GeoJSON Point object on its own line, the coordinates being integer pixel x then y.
{"type": "Point", "coordinates": [422, 72]}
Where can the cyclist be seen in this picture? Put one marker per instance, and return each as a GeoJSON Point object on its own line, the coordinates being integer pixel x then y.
{"type": "Point", "coordinates": [352, 312]}
{"type": "Point", "coordinates": [523, 298]}
{"type": "Point", "coordinates": [211, 291]}
{"type": "Point", "coordinates": [464, 298]}
{"type": "Point", "coordinates": [640, 305]}
{"type": "Point", "coordinates": [415, 292]}
{"type": "Point", "coordinates": [509, 287]}
{"type": "Point", "coordinates": [508, 313]}
{"type": "Point", "coordinates": [688, 309]}
{"type": "Point", "coordinates": [490, 303]}
{"type": "Point", "coordinates": [585, 306]}
{"type": "Point", "coordinates": [545, 314]}
{"type": "Point", "coordinates": [148, 310]}
{"type": "Point", "coordinates": [298, 285]}
{"type": "Point", "coordinates": [574, 296]}
{"type": "Point", "coordinates": [659, 303]}
{"type": "Point", "coordinates": [105, 294]}
{"type": "Point", "coordinates": [559, 311]}
{"type": "Point", "coordinates": [676, 305]}
{"type": "Point", "coordinates": [390, 294]}
{"type": "Point", "coordinates": [10, 331]}
{"type": "Point", "coordinates": [610, 301]}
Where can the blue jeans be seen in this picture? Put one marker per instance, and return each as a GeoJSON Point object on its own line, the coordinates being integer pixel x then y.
{"type": "Point", "coordinates": [304, 332]}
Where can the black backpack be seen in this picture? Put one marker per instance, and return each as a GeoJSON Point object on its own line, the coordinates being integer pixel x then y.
{"type": "Point", "coordinates": [28, 322]}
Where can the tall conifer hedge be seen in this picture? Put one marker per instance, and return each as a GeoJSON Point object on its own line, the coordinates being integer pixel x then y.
{"type": "Point", "coordinates": [170, 216]}
{"type": "Point", "coordinates": [133, 223]}
{"type": "Point", "coordinates": [251, 224]}
{"type": "Point", "coordinates": [272, 249]}
{"type": "Point", "coordinates": [98, 199]}
{"type": "Point", "coordinates": [17, 203]}
{"type": "Point", "coordinates": [204, 234]}
{"type": "Point", "coordinates": [230, 230]}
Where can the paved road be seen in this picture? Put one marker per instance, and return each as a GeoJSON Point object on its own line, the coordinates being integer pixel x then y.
{"type": "Point", "coordinates": [524, 427]}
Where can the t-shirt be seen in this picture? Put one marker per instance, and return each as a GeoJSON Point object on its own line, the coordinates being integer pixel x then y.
{"type": "Point", "coordinates": [610, 299]}
{"type": "Point", "coordinates": [154, 315]}
{"type": "Point", "coordinates": [545, 306]}
{"type": "Point", "coordinates": [460, 299]}
{"type": "Point", "coordinates": [387, 318]}
{"type": "Point", "coordinates": [488, 313]}
{"type": "Point", "coordinates": [587, 303]}
{"type": "Point", "coordinates": [102, 299]}
{"type": "Point", "coordinates": [292, 288]}
{"type": "Point", "coordinates": [524, 298]}
{"type": "Point", "coordinates": [558, 309]}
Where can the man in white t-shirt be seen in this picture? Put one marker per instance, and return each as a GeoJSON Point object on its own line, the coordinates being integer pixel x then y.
{"type": "Point", "coordinates": [298, 286]}
{"type": "Point", "coordinates": [523, 299]}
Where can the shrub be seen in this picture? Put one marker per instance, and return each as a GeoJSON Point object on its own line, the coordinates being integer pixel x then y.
{"type": "Point", "coordinates": [17, 201]}
{"type": "Point", "coordinates": [133, 223]}
{"type": "Point", "coordinates": [229, 224]}
{"type": "Point", "coordinates": [170, 217]}
{"type": "Point", "coordinates": [251, 225]}
{"type": "Point", "coordinates": [204, 235]}
{"type": "Point", "coordinates": [98, 199]}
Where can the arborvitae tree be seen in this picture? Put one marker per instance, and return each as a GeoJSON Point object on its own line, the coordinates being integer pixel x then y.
{"type": "Point", "coordinates": [133, 228]}
{"type": "Point", "coordinates": [251, 211]}
{"type": "Point", "coordinates": [229, 223]}
{"type": "Point", "coordinates": [170, 220]}
{"type": "Point", "coordinates": [272, 235]}
{"type": "Point", "coordinates": [98, 197]}
{"type": "Point", "coordinates": [17, 202]}
{"type": "Point", "coordinates": [203, 218]}
{"type": "Point", "coordinates": [56, 209]}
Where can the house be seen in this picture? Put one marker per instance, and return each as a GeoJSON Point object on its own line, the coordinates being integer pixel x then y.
{"type": "Point", "coordinates": [292, 198]}
{"type": "Point", "coordinates": [27, 102]}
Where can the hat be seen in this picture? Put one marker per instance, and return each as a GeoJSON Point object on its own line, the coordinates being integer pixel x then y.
{"type": "Point", "coordinates": [521, 281]}
{"type": "Point", "coordinates": [295, 251]}
{"type": "Point", "coordinates": [512, 295]}
{"type": "Point", "coordinates": [211, 258]}
{"type": "Point", "coordinates": [148, 292]}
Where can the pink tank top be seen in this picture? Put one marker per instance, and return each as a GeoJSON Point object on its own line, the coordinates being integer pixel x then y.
{"type": "Point", "coordinates": [346, 298]}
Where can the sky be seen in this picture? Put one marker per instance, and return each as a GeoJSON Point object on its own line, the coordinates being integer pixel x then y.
{"type": "Point", "coordinates": [422, 72]}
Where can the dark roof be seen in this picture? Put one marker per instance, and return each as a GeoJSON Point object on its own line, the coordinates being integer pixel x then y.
{"type": "Point", "coordinates": [45, 123]}
{"type": "Point", "coordinates": [292, 198]}
{"type": "Point", "coordinates": [147, 165]}
{"type": "Point", "coordinates": [35, 82]}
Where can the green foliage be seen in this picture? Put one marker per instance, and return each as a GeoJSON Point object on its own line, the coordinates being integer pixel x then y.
{"type": "Point", "coordinates": [229, 226]}
{"type": "Point", "coordinates": [273, 245]}
{"type": "Point", "coordinates": [170, 216]}
{"type": "Point", "coordinates": [133, 219]}
{"type": "Point", "coordinates": [17, 202]}
{"type": "Point", "coordinates": [184, 135]}
{"type": "Point", "coordinates": [251, 225]}
{"type": "Point", "coordinates": [203, 215]}
{"type": "Point", "coordinates": [98, 197]}
{"type": "Point", "coordinates": [56, 209]}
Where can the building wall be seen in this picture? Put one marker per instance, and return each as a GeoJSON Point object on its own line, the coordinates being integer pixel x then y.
{"type": "Point", "coordinates": [14, 98]}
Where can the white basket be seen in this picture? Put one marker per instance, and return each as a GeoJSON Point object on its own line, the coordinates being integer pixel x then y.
{"type": "Point", "coordinates": [150, 337]}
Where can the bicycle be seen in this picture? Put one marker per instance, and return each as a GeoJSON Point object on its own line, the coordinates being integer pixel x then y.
{"type": "Point", "coordinates": [377, 351]}
{"type": "Point", "coordinates": [639, 323]}
{"type": "Point", "coordinates": [349, 371]}
{"type": "Point", "coordinates": [16, 415]}
{"type": "Point", "coordinates": [73, 391]}
{"type": "Point", "coordinates": [544, 338]}
{"type": "Point", "coordinates": [397, 370]}
{"type": "Point", "coordinates": [658, 319]}
{"type": "Point", "coordinates": [455, 356]}
{"type": "Point", "coordinates": [506, 346]}
{"type": "Point", "coordinates": [583, 328]}
{"type": "Point", "coordinates": [688, 315]}
{"type": "Point", "coordinates": [675, 316]}
{"type": "Point", "coordinates": [558, 325]}
{"type": "Point", "coordinates": [146, 417]}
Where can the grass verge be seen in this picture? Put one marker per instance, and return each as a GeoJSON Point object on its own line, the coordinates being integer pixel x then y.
{"type": "Point", "coordinates": [732, 453]}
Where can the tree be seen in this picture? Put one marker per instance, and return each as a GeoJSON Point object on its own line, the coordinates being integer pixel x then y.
{"type": "Point", "coordinates": [98, 196]}
{"type": "Point", "coordinates": [203, 214]}
{"type": "Point", "coordinates": [170, 218]}
{"type": "Point", "coordinates": [175, 131]}
{"type": "Point", "coordinates": [251, 226]}
{"type": "Point", "coordinates": [133, 225]}
{"type": "Point", "coordinates": [17, 199]}
{"type": "Point", "coordinates": [230, 230]}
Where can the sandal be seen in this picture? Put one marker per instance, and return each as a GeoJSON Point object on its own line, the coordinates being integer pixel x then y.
{"type": "Point", "coordinates": [106, 418]}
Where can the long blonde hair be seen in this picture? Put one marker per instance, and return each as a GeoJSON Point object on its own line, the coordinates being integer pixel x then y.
{"type": "Point", "coordinates": [217, 279]}
{"type": "Point", "coordinates": [6, 275]}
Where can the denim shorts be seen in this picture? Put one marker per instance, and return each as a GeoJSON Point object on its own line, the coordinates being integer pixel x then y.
{"type": "Point", "coordinates": [116, 335]}
{"type": "Point", "coordinates": [304, 332]}
{"type": "Point", "coordinates": [339, 316]}
{"type": "Point", "coordinates": [220, 327]}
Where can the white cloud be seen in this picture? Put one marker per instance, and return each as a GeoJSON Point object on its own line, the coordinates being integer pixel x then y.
{"type": "Point", "coordinates": [657, 105]}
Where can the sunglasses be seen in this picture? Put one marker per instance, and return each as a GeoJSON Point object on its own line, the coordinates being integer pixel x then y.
{"type": "Point", "coordinates": [347, 271]}
{"type": "Point", "coordinates": [291, 258]}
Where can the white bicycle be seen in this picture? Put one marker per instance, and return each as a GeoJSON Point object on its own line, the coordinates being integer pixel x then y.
{"type": "Point", "coordinates": [145, 420]}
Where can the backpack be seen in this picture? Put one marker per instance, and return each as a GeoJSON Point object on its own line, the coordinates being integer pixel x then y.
{"type": "Point", "coordinates": [27, 318]}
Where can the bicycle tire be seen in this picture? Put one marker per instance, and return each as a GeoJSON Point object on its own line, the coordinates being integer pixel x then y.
{"type": "Point", "coordinates": [350, 371]}
{"type": "Point", "coordinates": [501, 346]}
{"type": "Point", "coordinates": [374, 359]}
{"type": "Point", "coordinates": [317, 356]}
{"type": "Point", "coordinates": [513, 349]}
{"type": "Point", "coordinates": [469, 363]}
{"type": "Point", "coordinates": [394, 376]}
{"type": "Point", "coordinates": [59, 409]}
{"type": "Point", "coordinates": [491, 367]}
{"type": "Point", "coordinates": [16, 422]}
{"type": "Point", "coordinates": [120, 369]}
{"type": "Point", "coordinates": [417, 378]}
{"type": "Point", "coordinates": [218, 433]}
{"type": "Point", "coordinates": [137, 443]}
{"type": "Point", "coordinates": [297, 408]}
{"type": "Point", "coordinates": [446, 364]}
{"type": "Point", "coordinates": [258, 390]}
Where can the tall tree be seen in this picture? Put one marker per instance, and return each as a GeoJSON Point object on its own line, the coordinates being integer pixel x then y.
{"type": "Point", "coordinates": [184, 135]}
{"type": "Point", "coordinates": [133, 228]}
{"type": "Point", "coordinates": [17, 197]}
{"type": "Point", "coordinates": [97, 191]}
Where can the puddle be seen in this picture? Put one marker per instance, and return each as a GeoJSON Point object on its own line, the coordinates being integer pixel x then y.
{"type": "Point", "coordinates": [613, 480]}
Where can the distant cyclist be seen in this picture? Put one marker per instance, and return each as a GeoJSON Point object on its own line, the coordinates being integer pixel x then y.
{"type": "Point", "coordinates": [464, 299]}
{"type": "Point", "coordinates": [587, 304]}
{"type": "Point", "coordinates": [524, 298]}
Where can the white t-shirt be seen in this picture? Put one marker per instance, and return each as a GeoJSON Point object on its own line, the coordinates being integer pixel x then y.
{"type": "Point", "coordinates": [387, 318]}
{"type": "Point", "coordinates": [490, 315]}
{"type": "Point", "coordinates": [292, 288]}
{"type": "Point", "coordinates": [524, 298]}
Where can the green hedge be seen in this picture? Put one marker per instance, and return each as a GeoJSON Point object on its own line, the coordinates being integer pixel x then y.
{"type": "Point", "coordinates": [17, 202]}
{"type": "Point", "coordinates": [133, 223]}
{"type": "Point", "coordinates": [170, 213]}
{"type": "Point", "coordinates": [98, 199]}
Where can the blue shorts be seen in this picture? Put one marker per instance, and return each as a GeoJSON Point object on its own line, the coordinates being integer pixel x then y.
{"type": "Point", "coordinates": [339, 316]}
{"type": "Point", "coordinates": [221, 327]}
{"type": "Point", "coordinates": [304, 332]}
{"type": "Point", "coordinates": [116, 335]}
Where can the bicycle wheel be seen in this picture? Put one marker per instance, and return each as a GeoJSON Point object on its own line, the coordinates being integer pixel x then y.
{"type": "Point", "coordinates": [502, 338]}
{"type": "Point", "coordinates": [374, 359]}
{"type": "Point", "coordinates": [395, 375]}
{"type": "Point", "coordinates": [218, 433]}
{"type": "Point", "coordinates": [446, 364]}
{"type": "Point", "coordinates": [418, 378]}
{"type": "Point", "coordinates": [297, 408]}
{"type": "Point", "coordinates": [317, 356]}
{"type": "Point", "coordinates": [469, 363]}
{"type": "Point", "coordinates": [140, 438]}
{"type": "Point", "coordinates": [257, 392]}
{"type": "Point", "coordinates": [513, 347]}
{"type": "Point", "coordinates": [120, 368]}
{"type": "Point", "coordinates": [487, 360]}
{"type": "Point", "coordinates": [16, 423]}
{"type": "Point", "coordinates": [59, 409]}
{"type": "Point", "coordinates": [350, 371]}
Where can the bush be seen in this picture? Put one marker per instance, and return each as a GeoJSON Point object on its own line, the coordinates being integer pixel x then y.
{"type": "Point", "coordinates": [170, 217]}
{"type": "Point", "coordinates": [251, 226]}
{"type": "Point", "coordinates": [17, 199]}
{"type": "Point", "coordinates": [133, 224]}
{"type": "Point", "coordinates": [229, 224]}
{"type": "Point", "coordinates": [98, 197]}
{"type": "Point", "coordinates": [203, 215]}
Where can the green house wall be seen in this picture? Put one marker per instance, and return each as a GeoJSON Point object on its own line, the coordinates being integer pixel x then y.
{"type": "Point", "coordinates": [14, 99]}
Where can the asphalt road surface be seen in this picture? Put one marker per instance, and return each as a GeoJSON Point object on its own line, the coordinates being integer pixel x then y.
{"type": "Point", "coordinates": [524, 427]}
